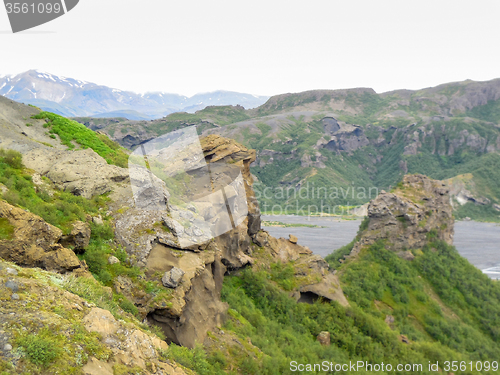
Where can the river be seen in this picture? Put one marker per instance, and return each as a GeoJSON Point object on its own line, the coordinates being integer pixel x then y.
{"type": "Point", "coordinates": [477, 242]}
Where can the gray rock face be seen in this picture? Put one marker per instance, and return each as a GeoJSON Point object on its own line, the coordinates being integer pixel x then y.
{"type": "Point", "coordinates": [81, 172]}
{"type": "Point", "coordinates": [330, 125]}
{"type": "Point", "coordinates": [172, 278]}
{"type": "Point", "coordinates": [348, 138]}
{"type": "Point", "coordinates": [11, 271]}
{"type": "Point", "coordinates": [149, 191]}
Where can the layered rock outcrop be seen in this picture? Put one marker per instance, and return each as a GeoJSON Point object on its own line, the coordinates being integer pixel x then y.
{"type": "Point", "coordinates": [418, 210]}
{"type": "Point", "coordinates": [33, 242]}
{"type": "Point", "coordinates": [194, 306]}
{"type": "Point", "coordinates": [151, 237]}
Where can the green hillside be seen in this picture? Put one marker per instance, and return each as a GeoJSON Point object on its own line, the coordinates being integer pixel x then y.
{"type": "Point", "coordinates": [432, 309]}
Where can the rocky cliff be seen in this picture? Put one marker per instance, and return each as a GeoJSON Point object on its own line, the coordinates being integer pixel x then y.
{"type": "Point", "coordinates": [417, 210]}
{"type": "Point", "coordinates": [194, 307]}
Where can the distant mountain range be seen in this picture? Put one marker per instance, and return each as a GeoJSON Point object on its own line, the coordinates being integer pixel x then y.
{"type": "Point", "coordinates": [71, 97]}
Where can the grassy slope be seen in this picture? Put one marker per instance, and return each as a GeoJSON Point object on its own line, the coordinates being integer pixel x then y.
{"type": "Point", "coordinates": [444, 305]}
{"type": "Point", "coordinates": [70, 131]}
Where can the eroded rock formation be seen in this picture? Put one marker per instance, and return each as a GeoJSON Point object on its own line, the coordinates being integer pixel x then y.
{"type": "Point", "coordinates": [195, 306]}
{"type": "Point", "coordinates": [417, 210]}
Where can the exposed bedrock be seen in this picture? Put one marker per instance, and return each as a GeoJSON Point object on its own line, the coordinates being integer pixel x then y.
{"type": "Point", "coordinates": [194, 274]}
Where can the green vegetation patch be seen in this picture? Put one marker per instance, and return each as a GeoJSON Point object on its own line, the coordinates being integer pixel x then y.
{"type": "Point", "coordinates": [70, 131]}
{"type": "Point", "coordinates": [488, 112]}
{"type": "Point", "coordinates": [463, 315]}
{"type": "Point", "coordinates": [42, 348]}
{"type": "Point", "coordinates": [58, 208]}
{"type": "Point", "coordinates": [6, 229]}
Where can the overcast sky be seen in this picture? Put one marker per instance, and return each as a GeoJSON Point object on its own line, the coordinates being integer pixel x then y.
{"type": "Point", "coordinates": [262, 47]}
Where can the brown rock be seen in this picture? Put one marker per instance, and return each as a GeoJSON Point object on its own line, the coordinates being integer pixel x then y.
{"type": "Point", "coordinates": [328, 287]}
{"type": "Point", "coordinates": [406, 217]}
{"type": "Point", "coordinates": [324, 338]}
{"type": "Point", "coordinates": [60, 259]}
{"type": "Point", "coordinates": [97, 367]}
{"type": "Point", "coordinates": [293, 239]}
{"type": "Point", "coordinates": [79, 237]}
{"type": "Point", "coordinates": [196, 307]}
{"type": "Point", "coordinates": [100, 321]}
{"type": "Point", "coordinates": [260, 238]}
{"type": "Point", "coordinates": [131, 347]}
{"type": "Point", "coordinates": [34, 242]}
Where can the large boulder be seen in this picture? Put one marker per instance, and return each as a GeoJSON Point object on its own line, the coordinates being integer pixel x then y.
{"type": "Point", "coordinates": [34, 242]}
{"type": "Point", "coordinates": [172, 278]}
{"type": "Point", "coordinates": [81, 172]}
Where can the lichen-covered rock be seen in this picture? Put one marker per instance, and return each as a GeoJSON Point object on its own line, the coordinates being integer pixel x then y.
{"type": "Point", "coordinates": [113, 260]}
{"type": "Point", "coordinates": [115, 344]}
{"type": "Point", "coordinates": [312, 274]}
{"type": "Point", "coordinates": [60, 259]}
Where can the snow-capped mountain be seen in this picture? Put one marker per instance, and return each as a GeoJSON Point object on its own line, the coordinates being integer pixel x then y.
{"type": "Point", "coordinates": [72, 97]}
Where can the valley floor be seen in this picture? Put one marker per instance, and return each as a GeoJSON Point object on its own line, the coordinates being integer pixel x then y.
{"type": "Point", "coordinates": [476, 241]}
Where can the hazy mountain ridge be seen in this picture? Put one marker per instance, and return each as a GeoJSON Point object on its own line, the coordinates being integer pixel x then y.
{"type": "Point", "coordinates": [70, 97]}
